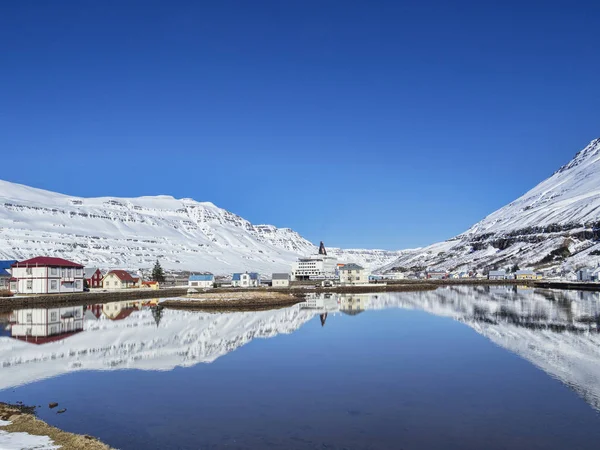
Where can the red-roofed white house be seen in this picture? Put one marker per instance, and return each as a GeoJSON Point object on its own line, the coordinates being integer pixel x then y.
{"type": "Point", "coordinates": [46, 275]}
{"type": "Point", "coordinates": [120, 279]}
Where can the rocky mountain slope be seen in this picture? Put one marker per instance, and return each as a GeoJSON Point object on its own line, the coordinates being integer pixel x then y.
{"type": "Point", "coordinates": [553, 226]}
{"type": "Point", "coordinates": [134, 232]}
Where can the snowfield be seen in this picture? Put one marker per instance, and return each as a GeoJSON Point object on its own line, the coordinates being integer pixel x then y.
{"type": "Point", "coordinates": [133, 233]}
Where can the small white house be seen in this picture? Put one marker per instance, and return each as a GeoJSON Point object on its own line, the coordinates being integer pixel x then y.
{"type": "Point", "coordinates": [281, 280]}
{"type": "Point", "coordinates": [394, 276]}
{"type": "Point", "coordinates": [353, 274]}
{"type": "Point", "coordinates": [202, 281]}
{"type": "Point", "coordinates": [497, 275]}
{"type": "Point", "coordinates": [246, 279]}
{"type": "Point", "coordinates": [46, 275]}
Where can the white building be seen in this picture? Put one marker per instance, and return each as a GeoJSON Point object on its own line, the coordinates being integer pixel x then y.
{"type": "Point", "coordinates": [353, 274]}
{"type": "Point", "coordinates": [315, 267]}
{"type": "Point", "coordinates": [246, 279]}
{"type": "Point", "coordinates": [46, 275]}
{"type": "Point", "coordinates": [394, 276]}
{"type": "Point", "coordinates": [202, 281]}
{"type": "Point", "coordinates": [280, 280]}
{"type": "Point", "coordinates": [497, 275]}
{"type": "Point", "coordinates": [44, 325]}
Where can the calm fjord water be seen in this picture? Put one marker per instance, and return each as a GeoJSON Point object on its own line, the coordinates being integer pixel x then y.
{"type": "Point", "coordinates": [456, 368]}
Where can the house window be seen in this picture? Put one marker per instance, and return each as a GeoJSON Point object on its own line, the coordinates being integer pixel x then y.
{"type": "Point", "coordinates": [29, 318]}
{"type": "Point", "coordinates": [53, 317]}
{"type": "Point", "coordinates": [78, 284]}
{"type": "Point", "coordinates": [29, 271]}
{"type": "Point", "coordinates": [53, 330]}
{"type": "Point", "coordinates": [77, 311]}
{"type": "Point", "coordinates": [78, 272]}
{"type": "Point", "coordinates": [53, 271]}
{"type": "Point", "coordinates": [53, 285]}
{"type": "Point", "coordinates": [29, 284]}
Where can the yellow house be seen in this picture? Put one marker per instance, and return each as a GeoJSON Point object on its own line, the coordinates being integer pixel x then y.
{"type": "Point", "coordinates": [528, 275]}
{"type": "Point", "coordinates": [119, 279]}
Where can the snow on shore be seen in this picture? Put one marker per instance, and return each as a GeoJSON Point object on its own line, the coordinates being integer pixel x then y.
{"type": "Point", "coordinates": [24, 441]}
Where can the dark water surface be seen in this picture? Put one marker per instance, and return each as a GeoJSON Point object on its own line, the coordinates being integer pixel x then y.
{"type": "Point", "coordinates": [457, 368]}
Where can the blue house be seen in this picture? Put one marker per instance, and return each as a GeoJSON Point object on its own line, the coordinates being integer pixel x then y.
{"type": "Point", "coordinates": [5, 273]}
{"type": "Point", "coordinates": [203, 280]}
{"type": "Point", "coordinates": [247, 279]}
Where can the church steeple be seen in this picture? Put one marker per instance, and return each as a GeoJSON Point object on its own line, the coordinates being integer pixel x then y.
{"type": "Point", "coordinates": [322, 250]}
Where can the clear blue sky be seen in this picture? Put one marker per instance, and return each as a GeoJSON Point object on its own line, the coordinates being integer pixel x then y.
{"type": "Point", "coordinates": [362, 123]}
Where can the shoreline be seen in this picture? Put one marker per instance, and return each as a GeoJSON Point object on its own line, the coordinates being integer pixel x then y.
{"type": "Point", "coordinates": [8, 304]}
{"type": "Point", "coordinates": [21, 423]}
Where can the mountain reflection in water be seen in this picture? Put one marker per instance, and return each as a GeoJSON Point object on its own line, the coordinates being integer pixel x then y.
{"type": "Point", "coordinates": [555, 330]}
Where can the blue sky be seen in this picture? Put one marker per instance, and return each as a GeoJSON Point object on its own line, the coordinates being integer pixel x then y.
{"type": "Point", "coordinates": [363, 124]}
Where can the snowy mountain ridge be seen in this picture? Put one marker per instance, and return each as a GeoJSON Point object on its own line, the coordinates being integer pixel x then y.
{"type": "Point", "coordinates": [554, 226]}
{"type": "Point", "coordinates": [132, 233]}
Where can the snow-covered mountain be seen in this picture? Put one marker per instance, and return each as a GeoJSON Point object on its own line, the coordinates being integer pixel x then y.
{"type": "Point", "coordinates": [554, 225]}
{"type": "Point", "coordinates": [132, 233]}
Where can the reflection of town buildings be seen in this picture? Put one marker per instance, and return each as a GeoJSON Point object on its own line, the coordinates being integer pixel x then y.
{"type": "Point", "coordinates": [40, 326]}
{"type": "Point", "coordinates": [120, 310]}
{"type": "Point", "coordinates": [353, 304]}
{"type": "Point", "coordinates": [323, 302]}
{"type": "Point", "coordinates": [93, 312]}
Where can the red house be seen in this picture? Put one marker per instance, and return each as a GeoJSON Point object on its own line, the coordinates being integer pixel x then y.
{"type": "Point", "coordinates": [93, 277]}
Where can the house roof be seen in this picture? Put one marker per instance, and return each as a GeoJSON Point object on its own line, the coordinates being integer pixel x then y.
{"type": "Point", "coordinates": [497, 272]}
{"type": "Point", "coordinates": [46, 261]}
{"type": "Point", "coordinates": [4, 266]}
{"type": "Point", "coordinates": [281, 276]}
{"type": "Point", "coordinates": [123, 275]}
{"type": "Point", "coordinates": [90, 271]}
{"type": "Point", "coordinates": [202, 277]}
{"type": "Point", "coordinates": [124, 313]}
{"type": "Point", "coordinates": [352, 266]}
{"type": "Point", "coordinates": [46, 339]}
{"type": "Point", "coordinates": [253, 276]}
{"type": "Point", "coordinates": [7, 264]}
{"type": "Point", "coordinates": [524, 272]}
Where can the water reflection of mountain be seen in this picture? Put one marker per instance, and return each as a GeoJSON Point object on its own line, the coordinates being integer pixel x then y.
{"type": "Point", "coordinates": [126, 336]}
{"type": "Point", "coordinates": [558, 331]}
